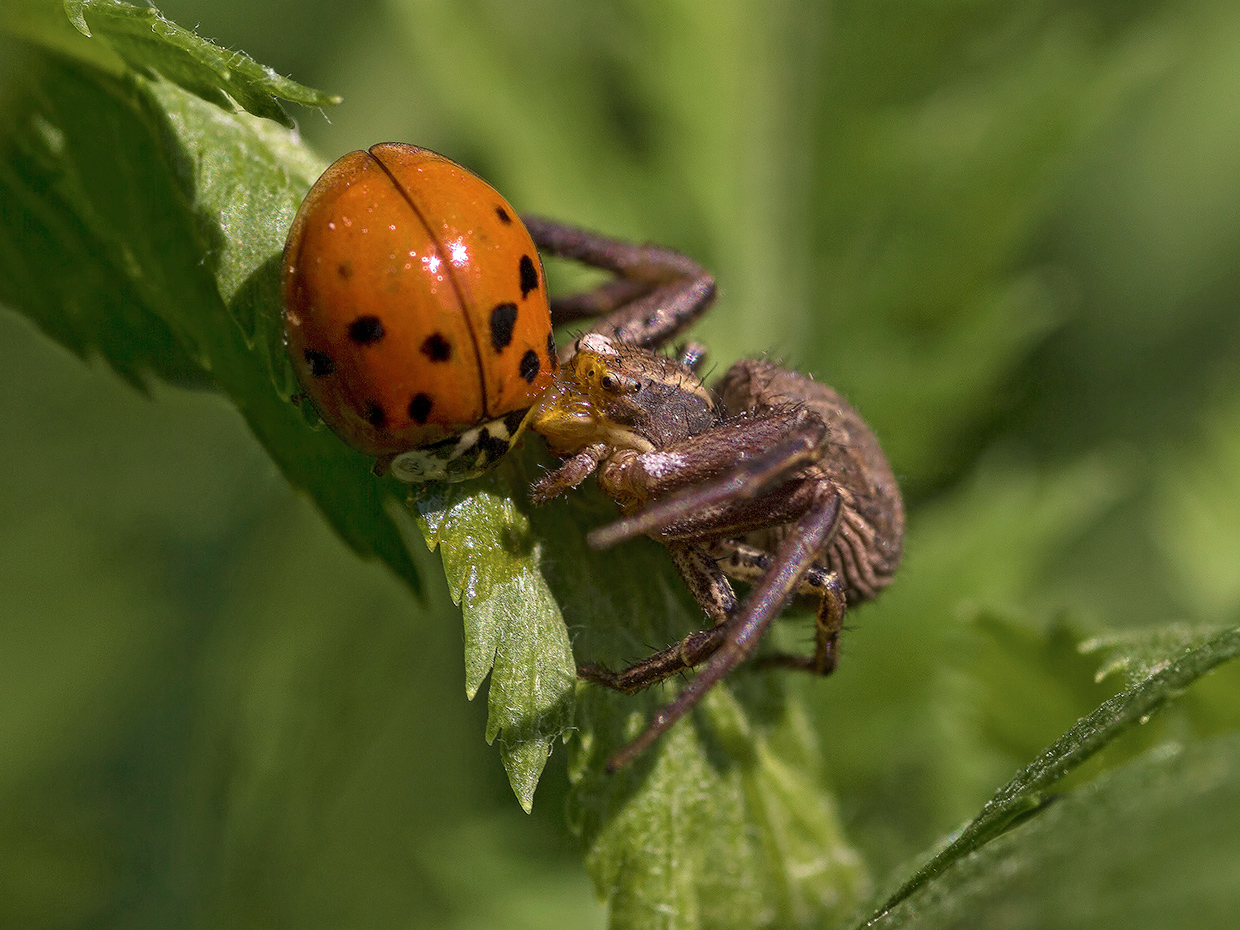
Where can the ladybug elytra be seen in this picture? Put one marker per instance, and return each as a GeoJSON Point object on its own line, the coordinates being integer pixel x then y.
{"type": "Point", "coordinates": [416, 313]}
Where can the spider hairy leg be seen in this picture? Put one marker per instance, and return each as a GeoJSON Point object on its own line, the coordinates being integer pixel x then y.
{"type": "Point", "coordinates": [569, 475]}
{"type": "Point", "coordinates": [690, 652]}
{"type": "Point", "coordinates": [742, 633]}
{"type": "Point", "coordinates": [711, 588]}
{"type": "Point", "coordinates": [599, 301]}
{"type": "Point", "coordinates": [657, 295]}
{"type": "Point", "coordinates": [772, 456]}
{"type": "Point", "coordinates": [790, 493]}
{"type": "Point", "coordinates": [748, 563]}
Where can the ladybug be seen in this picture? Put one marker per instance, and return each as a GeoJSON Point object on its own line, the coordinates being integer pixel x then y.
{"type": "Point", "coordinates": [415, 310]}
{"type": "Point", "coordinates": [416, 313]}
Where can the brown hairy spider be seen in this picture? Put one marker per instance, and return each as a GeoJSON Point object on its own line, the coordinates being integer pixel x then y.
{"type": "Point", "coordinates": [771, 479]}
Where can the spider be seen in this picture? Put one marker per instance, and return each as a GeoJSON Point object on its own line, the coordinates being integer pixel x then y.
{"type": "Point", "coordinates": [771, 478]}
{"type": "Point", "coordinates": [437, 365]}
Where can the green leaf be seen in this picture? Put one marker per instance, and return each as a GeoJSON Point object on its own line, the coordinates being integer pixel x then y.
{"type": "Point", "coordinates": [1137, 654]}
{"type": "Point", "coordinates": [1027, 790]}
{"type": "Point", "coordinates": [1013, 687]}
{"type": "Point", "coordinates": [723, 824]}
{"type": "Point", "coordinates": [149, 43]}
{"type": "Point", "coordinates": [1019, 684]}
{"type": "Point", "coordinates": [724, 821]}
{"type": "Point", "coordinates": [513, 627]}
{"type": "Point", "coordinates": [145, 225]}
{"type": "Point", "coordinates": [1155, 844]}
{"type": "Point", "coordinates": [1210, 707]}
{"type": "Point", "coordinates": [734, 784]}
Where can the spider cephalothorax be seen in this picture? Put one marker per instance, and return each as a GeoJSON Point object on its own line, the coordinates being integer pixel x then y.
{"type": "Point", "coordinates": [612, 397]}
{"type": "Point", "coordinates": [770, 479]}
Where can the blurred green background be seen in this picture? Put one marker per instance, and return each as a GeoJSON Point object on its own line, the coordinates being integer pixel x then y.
{"type": "Point", "coordinates": [1007, 232]}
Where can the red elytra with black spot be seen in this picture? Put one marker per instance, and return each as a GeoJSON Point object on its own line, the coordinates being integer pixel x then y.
{"type": "Point", "coordinates": [415, 305]}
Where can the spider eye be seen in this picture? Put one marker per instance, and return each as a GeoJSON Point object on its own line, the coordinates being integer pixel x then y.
{"type": "Point", "coordinates": [608, 382]}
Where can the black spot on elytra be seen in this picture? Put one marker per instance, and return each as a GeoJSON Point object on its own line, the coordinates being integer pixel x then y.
{"type": "Point", "coordinates": [529, 276]}
{"type": "Point", "coordinates": [345, 270]}
{"type": "Point", "coordinates": [366, 330]}
{"type": "Point", "coordinates": [503, 319]}
{"type": "Point", "coordinates": [374, 415]}
{"type": "Point", "coordinates": [320, 364]}
{"type": "Point", "coordinates": [420, 408]}
{"type": "Point", "coordinates": [530, 366]}
{"type": "Point", "coordinates": [552, 356]}
{"type": "Point", "coordinates": [503, 215]}
{"type": "Point", "coordinates": [492, 446]}
{"type": "Point", "coordinates": [437, 348]}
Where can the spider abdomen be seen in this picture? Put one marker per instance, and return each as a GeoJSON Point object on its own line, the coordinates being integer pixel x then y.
{"type": "Point", "coordinates": [866, 548]}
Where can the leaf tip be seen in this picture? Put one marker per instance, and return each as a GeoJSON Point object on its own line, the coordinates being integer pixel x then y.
{"type": "Point", "coordinates": [524, 762]}
{"type": "Point", "coordinates": [76, 11]}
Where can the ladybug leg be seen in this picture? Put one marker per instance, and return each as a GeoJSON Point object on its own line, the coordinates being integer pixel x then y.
{"type": "Point", "coordinates": [657, 293]}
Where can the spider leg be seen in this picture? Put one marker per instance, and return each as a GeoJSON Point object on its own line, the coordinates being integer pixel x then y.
{"type": "Point", "coordinates": [713, 591]}
{"type": "Point", "coordinates": [795, 557]}
{"type": "Point", "coordinates": [570, 474]}
{"type": "Point", "coordinates": [659, 317]}
{"type": "Point", "coordinates": [690, 652]}
{"type": "Point", "coordinates": [746, 480]}
{"type": "Point", "coordinates": [748, 563]}
{"type": "Point", "coordinates": [598, 301]}
{"type": "Point", "coordinates": [657, 295]}
{"type": "Point", "coordinates": [654, 264]}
